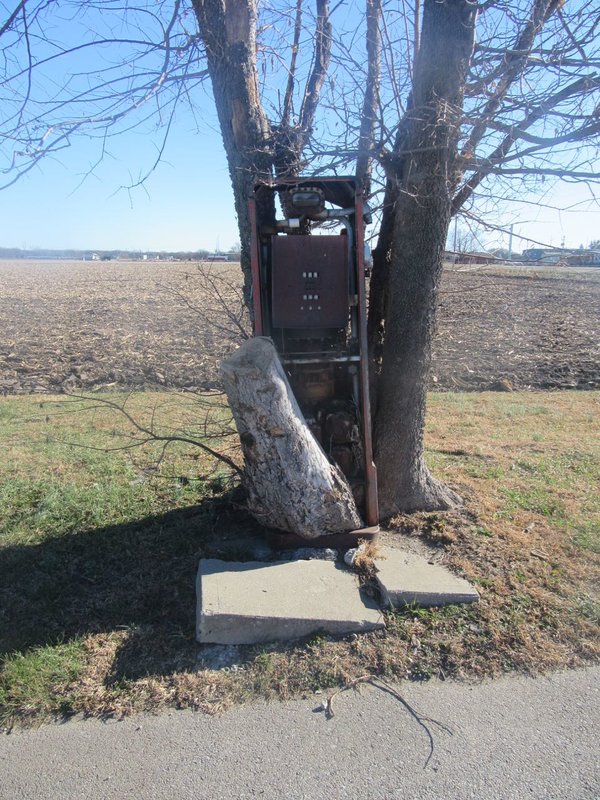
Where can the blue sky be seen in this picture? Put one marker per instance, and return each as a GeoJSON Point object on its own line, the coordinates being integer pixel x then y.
{"type": "Point", "coordinates": [186, 203]}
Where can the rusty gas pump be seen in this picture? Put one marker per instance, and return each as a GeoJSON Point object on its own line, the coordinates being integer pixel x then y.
{"type": "Point", "coordinates": [308, 276]}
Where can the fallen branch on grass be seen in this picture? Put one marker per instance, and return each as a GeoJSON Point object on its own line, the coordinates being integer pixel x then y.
{"type": "Point", "coordinates": [150, 435]}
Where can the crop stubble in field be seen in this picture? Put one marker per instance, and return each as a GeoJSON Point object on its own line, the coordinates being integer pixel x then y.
{"type": "Point", "coordinates": [71, 326]}
{"type": "Point", "coordinates": [84, 326]}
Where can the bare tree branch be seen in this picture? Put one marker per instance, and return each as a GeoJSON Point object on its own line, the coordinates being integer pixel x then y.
{"type": "Point", "coordinates": [12, 17]}
{"type": "Point", "coordinates": [289, 91]}
{"type": "Point", "coordinates": [511, 68]}
{"type": "Point", "coordinates": [490, 164]}
{"type": "Point", "coordinates": [370, 106]}
{"type": "Point", "coordinates": [152, 436]}
{"type": "Point", "coordinates": [567, 174]}
{"type": "Point", "coordinates": [322, 55]}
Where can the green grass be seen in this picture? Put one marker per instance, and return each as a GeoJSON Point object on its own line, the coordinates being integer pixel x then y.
{"type": "Point", "coordinates": [93, 541]}
{"type": "Point", "coordinates": [537, 499]}
{"type": "Point", "coordinates": [590, 608]}
{"type": "Point", "coordinates": [37, 679]}
{"type": "Point", "coordinates": [586, 534]}
{"type": "Point", "coordinates": [37, 508]}
{"type": "Point", "coordinates": [98, 553]}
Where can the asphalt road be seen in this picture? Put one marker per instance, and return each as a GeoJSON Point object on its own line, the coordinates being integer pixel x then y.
{"type": "Point", "coordinates": [510, 739]}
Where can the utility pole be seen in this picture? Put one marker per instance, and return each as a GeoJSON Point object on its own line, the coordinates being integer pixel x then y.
{"type": "Point", "coordinates": [510, 238]}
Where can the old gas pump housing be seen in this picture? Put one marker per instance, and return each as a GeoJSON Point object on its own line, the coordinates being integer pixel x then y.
{"type": "Point", "coordinates": [308, 278]}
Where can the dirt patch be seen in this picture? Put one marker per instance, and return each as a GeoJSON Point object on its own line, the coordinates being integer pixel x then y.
{"type": "Point", "coordinates": [83, 326]}
{"type": "Point", "coordinates": [527, 330]}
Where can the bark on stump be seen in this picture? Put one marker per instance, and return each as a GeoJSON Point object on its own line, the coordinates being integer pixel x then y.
{"type": "Point", "coordinates": [290, 483]}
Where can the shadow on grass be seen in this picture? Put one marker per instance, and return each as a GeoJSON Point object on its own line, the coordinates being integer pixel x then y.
{"type": "Point", "coordinates": [137, 577]}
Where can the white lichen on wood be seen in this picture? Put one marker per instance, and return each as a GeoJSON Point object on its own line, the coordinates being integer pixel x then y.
{"type": "Point", "coordinates": [290, 483]}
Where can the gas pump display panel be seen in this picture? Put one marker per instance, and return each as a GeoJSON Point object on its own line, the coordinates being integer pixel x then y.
{"type": "Point", "coordinates": [309, 282]}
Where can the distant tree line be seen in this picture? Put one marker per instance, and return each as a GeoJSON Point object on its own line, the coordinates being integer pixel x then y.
{"type": "Point", "coordinates": [108, 255]}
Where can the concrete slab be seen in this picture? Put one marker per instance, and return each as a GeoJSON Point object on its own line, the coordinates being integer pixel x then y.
{"type": "Point", "coordinates": [405, 578]}
{"type": "Point", "coordinates": [247, 603]}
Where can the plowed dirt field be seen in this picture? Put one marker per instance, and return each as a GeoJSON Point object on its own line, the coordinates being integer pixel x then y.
{"type": "Point", "coordinates": [89, 326]}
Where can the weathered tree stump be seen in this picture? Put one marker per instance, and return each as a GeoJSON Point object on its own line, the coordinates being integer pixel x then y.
{"type": "Point", "coordinates": [290, 483]}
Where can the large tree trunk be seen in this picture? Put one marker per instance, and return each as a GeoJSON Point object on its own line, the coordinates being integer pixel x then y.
{"type": "Point", "coordinates": [423, 169]}
{"type": "Point", "coordinates": [290, 483]}
{"type": "Point", "coordinates": [228, 30]}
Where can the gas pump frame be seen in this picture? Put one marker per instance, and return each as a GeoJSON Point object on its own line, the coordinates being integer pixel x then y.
{"type": "Point", "coordinates": [320, 333]}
